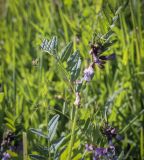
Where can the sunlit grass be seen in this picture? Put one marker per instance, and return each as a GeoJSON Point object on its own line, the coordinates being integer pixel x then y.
{"type": "Point", "coordinates": [31, 94]}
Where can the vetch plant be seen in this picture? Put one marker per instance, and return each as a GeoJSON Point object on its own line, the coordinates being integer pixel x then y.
{"type": "Point", "coordinates": [72, 73]}
{"type": "Point", "coordinates": [32, 89]}
{"type": "Point", "coordinates": [108, 152]}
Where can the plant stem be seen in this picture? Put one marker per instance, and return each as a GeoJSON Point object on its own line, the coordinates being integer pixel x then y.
{"type": "Point", "coordinates": [25, 155]}
{"type": "Point", "coordinates": [49, 154]}
{"type": "Point", "coordinates": [72, 134]}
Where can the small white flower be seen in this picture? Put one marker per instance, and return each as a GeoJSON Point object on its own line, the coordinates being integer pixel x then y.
{"type": "Point", "coordinates": [77, 100]}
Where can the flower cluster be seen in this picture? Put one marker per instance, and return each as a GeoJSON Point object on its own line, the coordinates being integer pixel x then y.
{"type": "Point", "coordinates": [97, 59]}
{"type": "Point", "coordinates": [6, 156]}
{"type": "Point", "coordinates": [98, 152]}
{"type": "Point", "coordinates": [6, 144]}
{"type": "Point", "coordinates": [109, 152]}
{"type": "Point", "coordinates": [110, 132]}
{"type": "Point", "coordinates": [96, 52]}
{"type": "Point", "coordinates": [10, 143]}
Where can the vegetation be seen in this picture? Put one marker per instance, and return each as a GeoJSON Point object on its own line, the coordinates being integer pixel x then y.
{"type": "Point", "coordinates": [59, 99]}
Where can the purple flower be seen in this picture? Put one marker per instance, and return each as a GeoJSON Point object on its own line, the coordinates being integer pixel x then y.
{"type": "Point", "coordinates": [109, 132]}
{"type": "Point", "coordinates": [6, 156]}
{"type": "Point", "coordinates": [111, 149]}
{"type": "Point", "coordinates": [119, 137]}
{"type": "Point", "coordinates": [89, 147]}
{"type": "Point", "coordinates": [99, 152]}
{"type": "Point", "coordinates": [88, 73]}
{"type": "Point", "coordinates": [109, 57]}
{"type": "Point", "coordinates": [101, 60]}
{"type": "Point", "coordinates": [96, 52]}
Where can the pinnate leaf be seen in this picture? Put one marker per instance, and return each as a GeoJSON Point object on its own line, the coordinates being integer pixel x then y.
{"type": "Point", "coordinates": [73, 65]}
{"type": "Point", "coordinates": [37, 157]}
{"type": "Point", "coordinates": [38, 132]}
{"type": "Point", "coordinates": [52, 126]}
{"type": "Point", "coordinates": [50, 46]}
{"type": "Point", "coordinates": [66, 52]}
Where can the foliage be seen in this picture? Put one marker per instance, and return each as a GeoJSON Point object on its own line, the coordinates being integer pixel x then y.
{"type": "Point", "coordinates": [35, 87]}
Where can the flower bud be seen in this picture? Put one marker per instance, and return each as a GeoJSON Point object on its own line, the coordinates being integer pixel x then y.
{"type": "Point", "coordinates": [77, 100]}
{"type": "Point", "coordinates": [88, 73]}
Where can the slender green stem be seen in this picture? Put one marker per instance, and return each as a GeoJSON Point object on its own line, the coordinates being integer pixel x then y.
{"type": "Point", "coordinates": [25, 154]}
{"type": "Point", "coordinates": [72, 134]}
{"type": "Point", "coordinates": [48, 142]}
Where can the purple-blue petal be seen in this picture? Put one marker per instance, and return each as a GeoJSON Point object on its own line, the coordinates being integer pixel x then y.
{"type": "Point", "coordinates": [6, 156]}
{"type": "Point", "coordinates": [119, 138]}
{"type": "Point", "coordinates": [100, 151]}
{"type": "Point", "coordinates": [109, 57]}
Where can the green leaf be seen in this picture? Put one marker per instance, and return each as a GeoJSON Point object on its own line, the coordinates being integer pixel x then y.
{"type": "Point", "coordinates": [57, 144]}
{"type": "Point", "coordinates": [132, 121]}
{"type": "Point", "coordinates": [50, 46]}
{"type": "Point", "coordinates": [56, 157]}
{"type": "Point", "coordinates": [52, 126]}
{"type": "Point", "coordinates": [13, 154]}
{"type": "Point", "coordinates": [110, 100]}
{"type": "Point", "coordinates": [108, 35]}
{"type": "Point", "coordinates": [38, 132]}
{"type": "Point", "coordinates": [1, 96]}
{"type": "Point", "coordinates": [73, 65]}
{"type": "Point", "coordinates": [10, 115]}
{"type": "Point", "coordinates": [66, 52]}
{"type": "Point", "coordinates": [11, 127]}
{"type": "Point", "coordinates": [78, 87]}
{"type": "Point", "coordinates": [121, 156]}
{"type": "Point", "coordinates": [76, 70]}
{"type": "Point", "coordinates": [10, 121]}
{"type": "Point", "coordinates": [72, 61]}
{"type": "Point", "coordinates": [107, 44]}
{"type": "Point", "coordinates": [33, 156]}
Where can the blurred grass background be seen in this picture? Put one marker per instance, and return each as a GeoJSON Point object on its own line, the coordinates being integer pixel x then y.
{"type": "Point", "coordinates": [31, 85]}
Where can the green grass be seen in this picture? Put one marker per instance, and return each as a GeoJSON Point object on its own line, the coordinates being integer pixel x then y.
{"type": "Point", "coordinates": [32, 94]}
